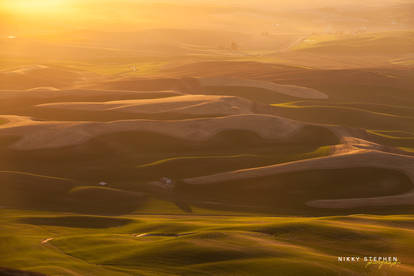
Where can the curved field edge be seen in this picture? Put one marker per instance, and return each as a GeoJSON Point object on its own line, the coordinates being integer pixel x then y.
{"type": "Point", "coordinates": [321, 151]}
{"type": "Point", "coordinates": [402, 135]}
{"type": "Point", "coordinates": [347, 117]}
{"type": "Point", "coordinates": [171, 159]}
{"type": "Point", "coordinates": [339, 107]}
{"type": "Point", "coordinates": [34, 175]}
{"type": "Point", "coordinates": [410, 150]}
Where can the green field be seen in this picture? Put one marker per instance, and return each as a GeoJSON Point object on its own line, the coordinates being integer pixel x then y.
{"type": "Point", "coordinates": [201, 245]}
{"type": "Point", "coordinates": [190, 190]}
{"type": "Point", "coordinates": [52, 207]}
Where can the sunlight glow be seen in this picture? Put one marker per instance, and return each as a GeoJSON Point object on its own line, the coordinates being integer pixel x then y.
{"type": "Point", "coordinates": [35, 6]}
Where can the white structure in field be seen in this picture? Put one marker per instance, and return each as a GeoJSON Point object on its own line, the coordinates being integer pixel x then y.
{"type": "Point", "coordinates": [166, 180]}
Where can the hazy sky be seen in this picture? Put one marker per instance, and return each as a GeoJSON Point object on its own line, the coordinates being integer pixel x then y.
{"type": "Point", "coordinates": [37, 16]}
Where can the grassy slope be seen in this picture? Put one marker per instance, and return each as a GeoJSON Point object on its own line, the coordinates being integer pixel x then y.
{"type": "Point", "coordinates": [26, 106]}
{"type": "Point", "coordinates": [347, 115]}
{"type": "Point", "coordinates": [374, 99]}
{"type": "Point", "coordinates": [218, 245]}
{"type": "Point", "coordinates": [321, 151]}
{"type": "Point", "coordinates": [116, 159]}
{"type": "Point", "coordinates": [54, 76]}
{"type": "Point", "coordinates": [255, 94]}
{"type": "Point", "coordinates": [411, 150]}
{"type": "Point", "coordinates": [32, 191]}
{"type": "Point", "coordinates": [178, 158]}
{"type": "Point", "coordinates": [287, 193]}
{"type": "Point", "coordinates": [104, 158]}
{"type": "Point", "coordinates": [402, 140]}
{"type": "Point", "coordinates": [390, 125]}
{"type": "Point", "coordinates": [387, 43]}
